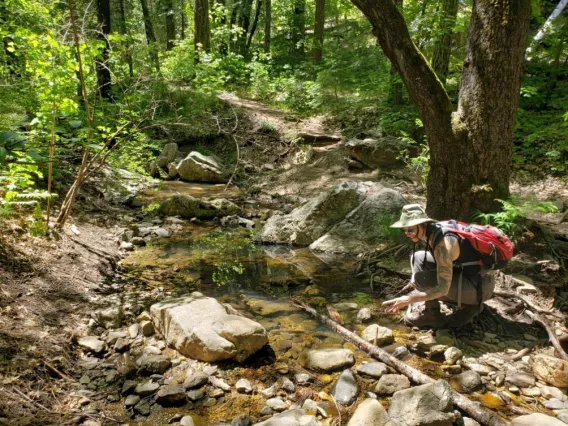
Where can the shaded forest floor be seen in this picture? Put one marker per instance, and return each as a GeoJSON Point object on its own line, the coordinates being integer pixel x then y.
{"type": "Point", "coordinates": [48, 286]}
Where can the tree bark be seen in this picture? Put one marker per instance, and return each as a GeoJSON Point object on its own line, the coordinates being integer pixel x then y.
{"type": "Point", "coordinates": [150, 36]}
{"type": "Point", "coordinates": [442, 46]}
{"type": "Point", "coordinates": [170, 24]}
{"type": "Point", "coordinates": [470, 150]}
{"type": "Point", "coordinates": [395, 81]}
{"type": "Point", "coordinates": [254, 24]}
{"type": "Point", "coordinates": [267, 26]}
{"type": "Point", "coordinates": [183, 20]}
{"type": "Point", "coordinates": [298, 28]}
{"type": "Point", "coordinates": [244, 23]}
{"type": "Point", "coordinates": [202, 33]}
{"type": "Point", "coordinates": [124, 32]}
{"type": "Point", "coordinates": [319, 26]}
{"type": "Point", "coordinates": [101, 66]}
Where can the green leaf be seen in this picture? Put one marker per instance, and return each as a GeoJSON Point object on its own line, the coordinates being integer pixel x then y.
{"type": "Point", "coordinates": [75, 124]}
{"type": "Point", "coordinates": [7, 136]}
{"type": "Point", "coordinates": [3, 154]}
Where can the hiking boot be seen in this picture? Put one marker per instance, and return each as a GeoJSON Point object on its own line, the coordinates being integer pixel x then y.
{"type": "Point", "coordinates": [425, 314]}
{"type": "Point", "coordinates": [464, 315]}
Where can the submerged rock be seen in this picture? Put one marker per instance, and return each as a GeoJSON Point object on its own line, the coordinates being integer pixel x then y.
{"type": "Point", "coordinates": [345, 390]}
{"type": "Point", "coordinates": [187, 206]}
{"type": "Point", "coordinates": [327, 359]}
{"type": "Point", "coordinates": [200, 328]}
{"type": "Point", "coordinates": [378, 335]}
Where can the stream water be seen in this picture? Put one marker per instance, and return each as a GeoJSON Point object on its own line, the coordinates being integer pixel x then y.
{"type": "Point", "coordinates": [258, 280]}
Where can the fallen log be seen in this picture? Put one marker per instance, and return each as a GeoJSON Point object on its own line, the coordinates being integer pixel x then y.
{"type": "Point", "coordinates": [472, 409]}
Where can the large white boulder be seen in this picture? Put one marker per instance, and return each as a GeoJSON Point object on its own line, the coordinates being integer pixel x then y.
{"type": "Point", "coordinates": [310, 221]}
{"type": "Point", "coordinates": [197, 167]}
{"type": "Point", "coordinates": [200, 327]}
{"type": "Point", "coordinates": [365, 226]}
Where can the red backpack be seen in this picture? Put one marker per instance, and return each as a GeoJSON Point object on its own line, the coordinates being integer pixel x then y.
{"type": "Point", "coordinates": [496, 248]}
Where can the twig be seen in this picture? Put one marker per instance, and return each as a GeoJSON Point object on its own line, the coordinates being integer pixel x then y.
{"type": "Point", "coordinates": [527, 302]}
{"type": "Point", "coordinates": [55, 370]}
{"type": "Point", "coordinates": [236, 163]}
{"type": "Point", "coordinates": [37, 404]}
{"type": "Point", "coordinates": [551, 335]}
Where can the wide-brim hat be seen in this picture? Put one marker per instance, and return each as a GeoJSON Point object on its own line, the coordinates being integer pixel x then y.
{"type": "Point", "coordinates": [412, 215]}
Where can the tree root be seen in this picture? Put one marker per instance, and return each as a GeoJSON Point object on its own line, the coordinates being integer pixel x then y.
{"type": "Point", "coordinates": [471, 408]}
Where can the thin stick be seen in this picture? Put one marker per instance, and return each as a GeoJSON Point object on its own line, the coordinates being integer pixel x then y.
{"type": "Point", "coordinates": [37, 404]}
{"type": "Point", "coordinates": [55, 370]}
{"type": "Point", "coordinates": [551, 335]}
{"type": "Point", "coordinates": [471, 408]}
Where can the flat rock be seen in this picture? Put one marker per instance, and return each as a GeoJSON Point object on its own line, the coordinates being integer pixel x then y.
{"type": "Point", "coordinates": [388, 384]}
{"type": "Point", "coordinates": [200, 328]}
{"type": "Point", "coordinates": [153, 364]}
{"type": "Point", "coordinates": [92, 343]}
{"type": "Point", "coordinates": [295, 417]}
{"type": "Point", "coordinates": [171, 395]}
{"type": "Point", "coordinates": [345, 390]}
{"type": "Point", "coordinates": [146, 388]}
{"type": "Point", "coordinates": [536, 419]}
{"type": "Point", "coordinates": [372, 369]}
{"type": "Point", "coordinates": [142, 408]}
{"type": "Point", "coordinates": [327, 360]}
{"type": "Point", "coordinates": [425, 405]}
{"type": "Point", "coordinates": [378, 335]}
{"type": "Point", "coordinates": [197, 167]}
{"type": "Point", "coordinates": [276, 404]}
{"type": "Point", "coordinates": [189, 207]}
{"type": "Point", "coordinates": [522, 380]}
{"type": "Point", "coordinates": [195, 380]}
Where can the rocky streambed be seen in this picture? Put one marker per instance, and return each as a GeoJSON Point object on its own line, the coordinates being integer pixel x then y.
{"type": "Point", "coordinates": [198, 329]}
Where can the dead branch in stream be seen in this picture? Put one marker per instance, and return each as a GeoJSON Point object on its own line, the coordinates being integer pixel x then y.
{"type": "Point", "coordinates": [471, 408]}
{"type": "Point", "coordinates": [551, 335]}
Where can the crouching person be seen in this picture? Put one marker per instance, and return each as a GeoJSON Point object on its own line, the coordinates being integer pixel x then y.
{"type": "Point", "coordinates": [449, 270]}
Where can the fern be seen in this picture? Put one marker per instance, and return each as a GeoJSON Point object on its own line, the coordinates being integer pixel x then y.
{"type": "Point", "coordinates": [6, 211]}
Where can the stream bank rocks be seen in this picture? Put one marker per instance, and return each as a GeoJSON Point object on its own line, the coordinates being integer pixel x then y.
{"type": "Point", "coordinates": [197, 167]}
{"type": "Point", "coordinates": [344, 219]}
{"type": "Point", "coordinates": [201, 328]}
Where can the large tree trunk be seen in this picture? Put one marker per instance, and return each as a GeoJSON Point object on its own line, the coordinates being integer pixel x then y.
{"type": "Point", "coordinates": [150, 36]}
{"type": "Point", "coordinates": [298, 27]}
{"type": "Point", "coordinates": [267, 26]}
{"type": "Point", "coordinates": [470, 150]}
{"type": "Point", "coordinates": [103, 72]}
{"type": "Point", "coordinates": [319, 26]}
{"type": "Point", "coordinates": [202, 33]}
{"type": "Point", "coordinates": [245, 10]}
{"type": "Point", "coordinates": [123, 32]}
{"type": "Point", "coordinates": [170, 24]}
{"type": "Point", "coordinates": [442, 46]}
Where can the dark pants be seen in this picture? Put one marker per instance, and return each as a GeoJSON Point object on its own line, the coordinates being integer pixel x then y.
{"type": "Point", "coordinates": [425, 278]}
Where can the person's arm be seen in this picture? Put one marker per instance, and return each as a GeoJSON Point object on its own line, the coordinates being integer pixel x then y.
{"type": "Point", "coordinates": [445, 253]}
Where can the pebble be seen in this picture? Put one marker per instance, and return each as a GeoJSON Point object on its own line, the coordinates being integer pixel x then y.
{"type": "Point", "coordinates": [244, 386]}
{"type": "Point", "coordinates": [555, 404]}
{"type": "Point", "coordinates": [195, 395]}
{"type": "Point", "coordinates": [276, 404]}
{"type": "Point", "coordinates": [92, 343]}
{"type": "Point", "coordinates": [219, 383]}
{"type": "Point", "coordinates": [147, 388]}
{"type": "Point", "coordinates": [216, 393]}
{"type": "Point", "coordinates": [142, 408]}
{"type": "Point", "coordinates": [131, 400]}
{"type": "Point", "coordinates": [467, 382]}
{"type": "Point", "coordinates": [372, 369]}
{"type": "Point", "coordinates": [288, 385]}
{"type": "Point", "coordinates": [133, 330]}
{"type": "Point", "coordinates": [452, 355]}
{"type": "Point", "coordinates": [266, 411]}
{"type": "Point", "coordinates": [186, 421]}
{"type": "Point", "coordinates": [196, 380]}
{"type": "Point", "coordinates": [209, 402]}
{"type": "Point", "coordinates": [303, 379]}
{"type": "Point", "coordinates": [147, 328]}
